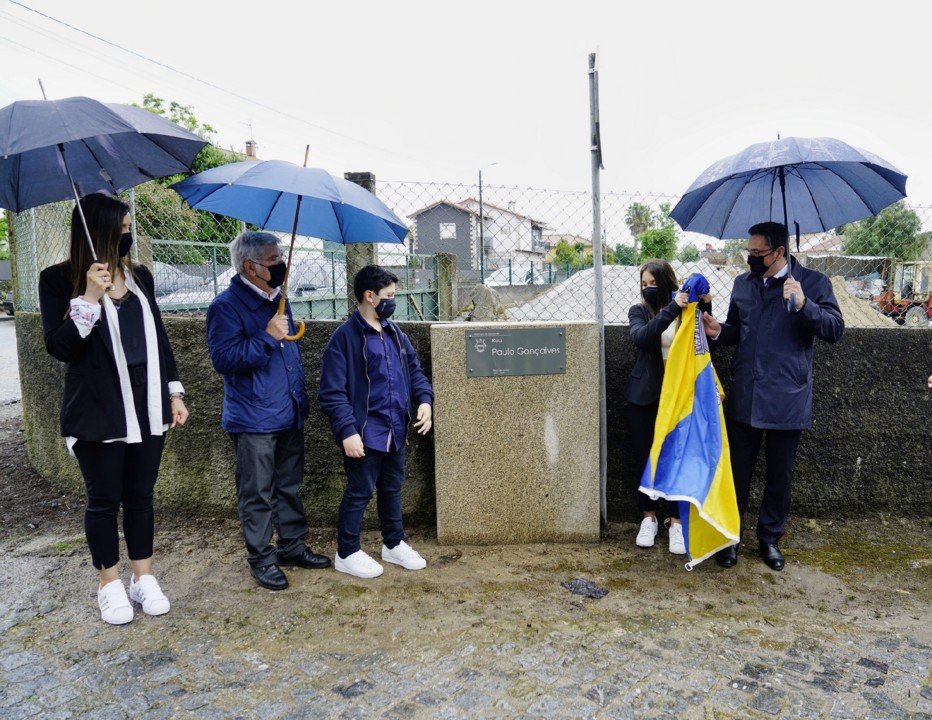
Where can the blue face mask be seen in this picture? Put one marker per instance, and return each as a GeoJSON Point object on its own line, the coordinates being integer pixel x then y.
{"type": "Point", "coordinates": [386, 308]}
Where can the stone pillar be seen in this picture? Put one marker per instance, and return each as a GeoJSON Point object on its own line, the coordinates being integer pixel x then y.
{"type": "Point", "coordinates": [517, 456]}
{"type": "Point", "coordinates": [446, 285]}
{"type": "Point", "coordinates": [358, 255]}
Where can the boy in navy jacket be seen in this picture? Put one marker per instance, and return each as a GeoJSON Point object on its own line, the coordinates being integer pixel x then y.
{"type": "Point", "coordinates": [371, 386]}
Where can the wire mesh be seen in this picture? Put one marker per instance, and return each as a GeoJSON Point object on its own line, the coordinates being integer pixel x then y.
{"type": "Point", "coordinates": [502, 253]}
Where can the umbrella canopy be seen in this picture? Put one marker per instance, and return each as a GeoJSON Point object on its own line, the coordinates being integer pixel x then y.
{"type": "Point", "coordinates": [827, 183]}
{"type": "Point", "coordinates": [266, 194]}
{"type": "Point", "coordinates": [107, 147]}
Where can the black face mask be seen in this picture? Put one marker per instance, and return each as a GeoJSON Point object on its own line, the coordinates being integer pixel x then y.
{"type": "Point", "coordinates": [757, 265]}
{"type": "Point", "coordinates": [276, 274]}
{"type": "Point", "coordinates": [126, 242]}
{"type": "Point", "coordinates": [650, 295]}
{"type": "Point", "coordinates": [386, 308]}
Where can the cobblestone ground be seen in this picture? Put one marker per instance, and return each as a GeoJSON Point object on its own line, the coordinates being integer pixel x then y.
{"type": "Point", "coordinates": [483, 632]}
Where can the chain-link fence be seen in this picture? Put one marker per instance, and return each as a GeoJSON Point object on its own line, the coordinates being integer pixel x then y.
{"type": "Point", "coordinates": [519, 254]}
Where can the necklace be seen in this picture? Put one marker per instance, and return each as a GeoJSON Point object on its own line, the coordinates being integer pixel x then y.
{"type": "Point", "coordinates": [120, 300]}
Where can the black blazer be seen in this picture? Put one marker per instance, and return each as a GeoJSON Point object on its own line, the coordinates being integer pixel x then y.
{"type": "Point", "coordinates": [646, 379]}
{"type": "Point", "coordinates": [92, 403]}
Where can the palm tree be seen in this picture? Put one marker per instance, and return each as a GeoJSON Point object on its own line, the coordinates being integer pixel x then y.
{"type": "Point", "coordinates": [638, 218]}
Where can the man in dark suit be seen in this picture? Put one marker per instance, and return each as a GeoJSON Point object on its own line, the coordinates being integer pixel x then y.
{"type": "Point", "coordinates": [771, 374]}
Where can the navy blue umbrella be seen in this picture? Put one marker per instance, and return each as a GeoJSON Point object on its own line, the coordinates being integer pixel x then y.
{"type": "Point", "coordinates": [819, 183]}
{"type": "Point", "coordinates": [101, 147]}
{"type": "Point", "coordinates": [280, 195]}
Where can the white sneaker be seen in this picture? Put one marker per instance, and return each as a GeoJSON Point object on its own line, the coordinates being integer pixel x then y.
{"type": "Point", "coordinates": [359, 564]}
{"type": "Point", "coordinates": [113, 603]}
{"type": "Point", "coordinates": [647, 533]}
{"type": "Point", "coordinates": [404, 555]}
{"type": "Point", "coordinates": [677, 543]}
{"type": "Point", "coordinates": [148, 594]}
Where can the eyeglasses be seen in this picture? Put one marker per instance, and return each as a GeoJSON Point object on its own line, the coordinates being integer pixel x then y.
{"type": "Point", "coordinates": [758, 253]}
{"type": "Point", "coordinates": [274, 260]}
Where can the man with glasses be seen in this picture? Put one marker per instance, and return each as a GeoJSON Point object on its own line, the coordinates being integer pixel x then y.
{"type": "Point", "coordinates": [264, 407]}
{"type": "Point", "coordinates": [775, 315]}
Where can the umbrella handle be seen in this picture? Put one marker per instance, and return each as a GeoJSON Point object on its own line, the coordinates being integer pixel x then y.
{"type": "Point", "coordinates": [300, 323]}
{"type": "Point", "coordinates": [791, 303]}
{"type": "Point", "coordinates": [299, 334]}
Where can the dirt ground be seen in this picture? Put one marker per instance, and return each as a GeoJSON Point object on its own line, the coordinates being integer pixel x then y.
{"type": "Point", "coordinates": [875, 572]}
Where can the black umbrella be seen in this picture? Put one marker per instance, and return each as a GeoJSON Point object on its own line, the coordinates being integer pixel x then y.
{"type": "Point", "coordinates": [52, 150]}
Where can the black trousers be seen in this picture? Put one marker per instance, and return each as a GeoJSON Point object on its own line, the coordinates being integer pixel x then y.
{"type": "Point", "coordinates": [119, 473]}
{"type": "Point", "coordinates": [269, 473]}
{"type": "Point", "coordinates": [641, 419]}
{"type": "Point", "coordinates": [779, 455]}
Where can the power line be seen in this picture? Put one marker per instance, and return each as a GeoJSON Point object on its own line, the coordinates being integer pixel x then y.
{"type": "Point", "coordinates": [207, 83]}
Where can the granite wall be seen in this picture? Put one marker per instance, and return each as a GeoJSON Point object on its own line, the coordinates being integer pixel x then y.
{"type": "Point", "coordinates": [870, 449]}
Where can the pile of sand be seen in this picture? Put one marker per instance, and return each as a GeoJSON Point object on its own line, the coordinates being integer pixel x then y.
{"type": "Point", "coordinates": [856, 311]}
{"type": "Point", "coordinates": [573, 299]}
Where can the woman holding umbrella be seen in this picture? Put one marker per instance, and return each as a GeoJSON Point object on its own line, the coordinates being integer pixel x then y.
{"type": "Point", "coordinates": [121, 394]}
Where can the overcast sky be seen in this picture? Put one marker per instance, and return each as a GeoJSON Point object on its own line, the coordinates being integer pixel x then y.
{"type": "Point", "coordinates": [434, 91]}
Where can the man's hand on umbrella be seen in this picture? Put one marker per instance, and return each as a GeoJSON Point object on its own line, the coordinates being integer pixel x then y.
{"type": "Point", "coordinates": [424, 419]}
{"type": "Point", "coordinates": [278, 327]}
{"type": "Point", "coordinates": [792, 287]}
{"type": "Point", "coordinates": [712, 326]}
{"type": "Point", "coordinates": [98, 282]}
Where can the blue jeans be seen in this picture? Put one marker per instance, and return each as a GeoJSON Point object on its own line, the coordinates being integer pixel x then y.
{"type": "Point", "coordinates": [383, 472]}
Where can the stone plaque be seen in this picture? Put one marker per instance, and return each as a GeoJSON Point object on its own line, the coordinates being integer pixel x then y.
{"type": "Point", "coordinates": [515, 351]}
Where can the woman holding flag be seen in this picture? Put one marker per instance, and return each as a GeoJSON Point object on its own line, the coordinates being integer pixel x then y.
{"type": "Point", "coordinates": [653, 324]}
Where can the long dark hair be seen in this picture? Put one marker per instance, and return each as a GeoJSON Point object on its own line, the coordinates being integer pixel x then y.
{"type": "Point", "coordinates": [104, 215]}
{"type": "Point", "coordinates": [666, 283]}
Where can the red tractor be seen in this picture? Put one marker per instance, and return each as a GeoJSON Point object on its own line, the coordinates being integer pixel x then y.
{"type": "Point", "coordinates": [908, 300]}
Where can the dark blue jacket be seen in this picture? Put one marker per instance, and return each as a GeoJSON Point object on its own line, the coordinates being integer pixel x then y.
{"type": "Point", "coordinates": [263, 379]}
{"type": "Point", "coordinates": [771, 371]}
{"type": "Point", "coordinates": [344, 378]}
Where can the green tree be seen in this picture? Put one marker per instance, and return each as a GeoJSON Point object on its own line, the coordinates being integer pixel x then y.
{"type": "Point", "coordinates": [210, 155]}
{"type": "Point", "coordinates": [658, 243]}
{"type": "Point", "coordinates": [565, 254]}
{"type": "Point", "coordinates": [894, 232]}
{"type": "Point", "coordinates": [624, 255]}
{"type": "Point", "coordinates": [4, 237]}
{"type": "Point", "coordinates": [160, 213]}
{"type": "Point", "coordinates": [663, 219]}
{"type": "Point", "coordinates": [688, 253]}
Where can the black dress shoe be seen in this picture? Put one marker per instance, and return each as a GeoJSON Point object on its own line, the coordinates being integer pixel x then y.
{"type": "Point", "coordinates": [772, 556]}
{"type": "Point", "coordinates": [305, 559]}
{"type": "Point", "coordinates": [728, 557]}
{"type": "Point", "coordinates": [270, 577]}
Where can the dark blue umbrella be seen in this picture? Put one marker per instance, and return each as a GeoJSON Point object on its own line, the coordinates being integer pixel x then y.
{"type": "Point", "coordinates": [104, 147]}
{"type": "Point", "coordinates": [819, 183]}
{"type": "Point", "coordinates": [269, 193]}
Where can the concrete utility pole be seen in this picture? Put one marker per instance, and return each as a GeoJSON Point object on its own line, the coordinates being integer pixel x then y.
{"type": "Point", "coordinates": [358, 255]}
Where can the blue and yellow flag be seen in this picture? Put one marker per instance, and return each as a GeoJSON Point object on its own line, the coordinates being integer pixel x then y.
{"type": "Point", "coordinates": [689, 461]}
